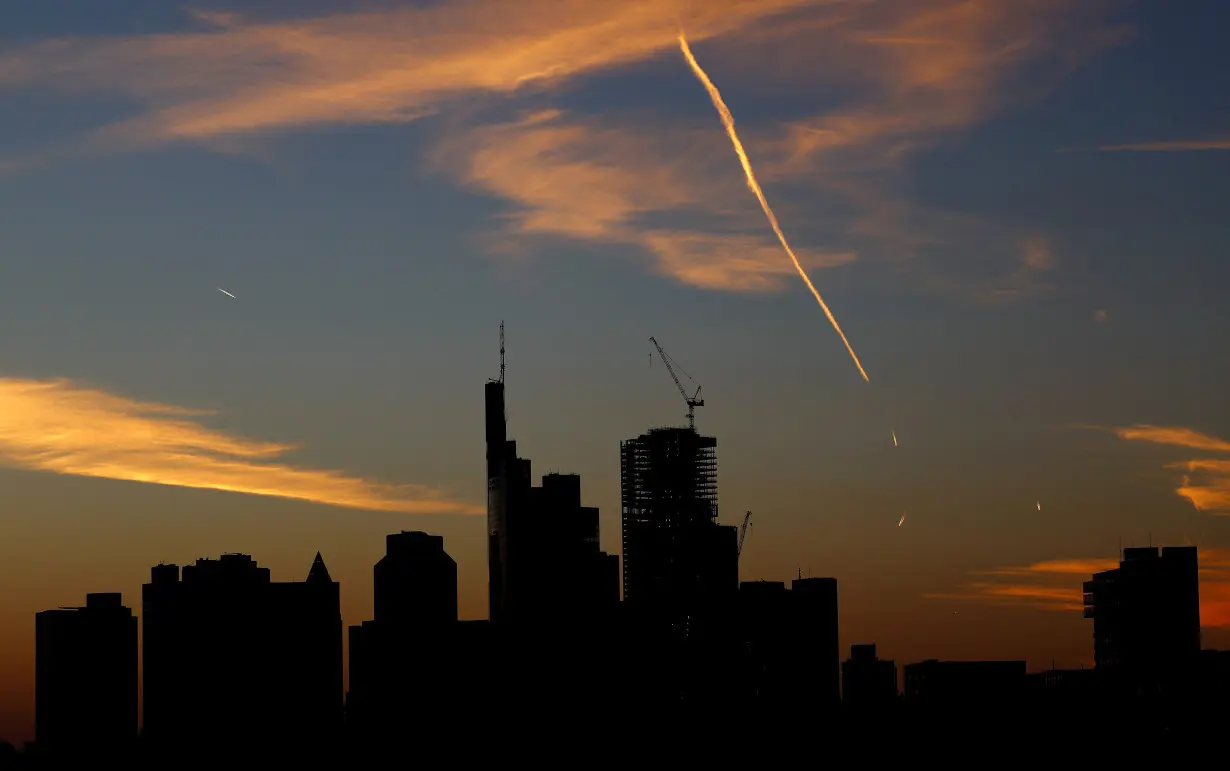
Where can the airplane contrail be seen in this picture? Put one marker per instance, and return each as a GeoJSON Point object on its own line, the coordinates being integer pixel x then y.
{"type": "Point", "coordinates": [228, 294]}
{"type": "Point", "coordinates": [728, 121]}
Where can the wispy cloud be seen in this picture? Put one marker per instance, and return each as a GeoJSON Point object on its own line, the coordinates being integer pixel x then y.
{"type": "Point", "coordinates": [1174, 436]}
{"type": "Point", "coordinates": [63, 428]}
{"type": "Point", "coordinates": [240, 76]}
{"type": "Point", "coordinates": [1050, 585]}
{"type": "Point", "coordinates": [1206, 481]}
{"type": "Point", "coordinates": [1179, 146]}
{"type": "Point", "coordinates": [1057, 585]}
{"type": "Point", "coordinates": [927, 70]}
{"type": "Point", "coordinates": [920, 70]}
{"type": "Point", "coordinates": [595, 180]}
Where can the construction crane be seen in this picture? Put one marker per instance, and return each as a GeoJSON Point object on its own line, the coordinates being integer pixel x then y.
{"type": "Point", "coordinates": [747, 521]}
{"type": "Point", "coordinates": [694, 400]}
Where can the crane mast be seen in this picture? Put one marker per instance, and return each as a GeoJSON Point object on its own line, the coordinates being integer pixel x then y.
{"type": "Point", "coordinates": [692, 401]}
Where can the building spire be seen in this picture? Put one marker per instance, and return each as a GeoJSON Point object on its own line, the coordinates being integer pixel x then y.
{"type": "Point", "coordinates": [501, 350]}
{"type": "Point", "coordinates": [319, 574]}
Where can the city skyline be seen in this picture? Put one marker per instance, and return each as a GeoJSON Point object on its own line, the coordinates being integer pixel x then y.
{"type": "Point", "coordinates": [1017, 215]}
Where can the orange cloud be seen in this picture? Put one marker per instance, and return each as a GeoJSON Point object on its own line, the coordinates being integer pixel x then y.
{"type": "Point", "coordinates": [920, 68]}
{"type": "Point", "coordinates": [1207, 481]}
{"type": "Point", "coordinates": [1183, 145]}
{"type": "Point", "coordinates": [241, 76]}
{"type": "Point", "coordinates": [1070, 567]}
{"type": "Point", "coordinates": [1057, 585]}
{"type": "Point", "coordinates": [1175, 436]}
{"type": "Point", "coordinates": [65, 429]}
{"type": "Point", "coordinates": [598, 182]}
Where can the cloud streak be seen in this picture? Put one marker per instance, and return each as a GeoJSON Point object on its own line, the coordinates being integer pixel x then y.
{"type": "Point", "coordinates": [917, 69]}
{"type": "Point", "coordinates": [1173, 436]}
{"type": "Point", "coordinates": [1058, 585]}
{"type": "Point", "coordinates": [597, 181]}
{"type": "Point", "coordinates": [59, 427]}
{"type": "Point", "coordinates": [1176, 146]}
{"type": "Point", "coordinates": [238, 76]}
{"type": "Point", "coordinates": [1206, 483]}
{"type": "Point", "coordinates": [924, 71]}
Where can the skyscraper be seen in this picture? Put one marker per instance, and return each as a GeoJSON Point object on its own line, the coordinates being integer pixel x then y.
{"type": "Point", "coordinates": [677, 558]}
{"type": "Point", "coordinates": [85, 690]}
{"type": "Point", "coordinates": [543, 553]}
{"type": "Point", "coordinates": [236, 662]}
{"type": "Point", "coordinates": [497, 508]}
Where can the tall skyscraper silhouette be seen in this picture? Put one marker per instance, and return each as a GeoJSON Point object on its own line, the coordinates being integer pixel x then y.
{"type": "Point", "coordinates": [678, 561]}
{"type": "Point", "coordinates": [498, 453]}
{"type": "Point", "coordinates": [85, 691]}
{"type": "Point", "coordinates": [543, 553]}
{"type": "Point", "coordinates": [234, 662]}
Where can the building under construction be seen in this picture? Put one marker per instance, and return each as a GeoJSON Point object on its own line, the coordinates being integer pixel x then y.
{"type": "Point", "coordinates": [676, 555]}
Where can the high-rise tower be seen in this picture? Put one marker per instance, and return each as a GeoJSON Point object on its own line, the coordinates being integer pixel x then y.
{"type": "Point", "coordinates": [543, 555]}
{"type": "Point", "coordinates": [497, 505]}
{"type": "Point", "coordinates": [676, 555]}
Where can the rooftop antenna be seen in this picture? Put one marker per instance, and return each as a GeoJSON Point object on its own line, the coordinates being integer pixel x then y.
{"type": "Point", "coordinates": [501, 350]}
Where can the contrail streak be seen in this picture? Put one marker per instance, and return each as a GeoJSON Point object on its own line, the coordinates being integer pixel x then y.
{"type": "Point", "coordinates": [894, 437]}
{"type": "Point", "coordinates": [228, 294]}
{"type": "Point", "coordinates": [728, 121]}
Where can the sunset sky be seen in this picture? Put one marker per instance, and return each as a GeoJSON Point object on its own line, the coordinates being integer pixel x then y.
{"type": "Point", "coordinates": [1017, 211]}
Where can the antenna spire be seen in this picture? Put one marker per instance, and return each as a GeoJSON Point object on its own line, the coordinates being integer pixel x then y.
{"type": "Point", "coordinates": [501, 351]}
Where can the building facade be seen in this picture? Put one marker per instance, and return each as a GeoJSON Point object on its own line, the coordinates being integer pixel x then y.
{"type": "Point", "coordinates": [1146, 613]}
{"type": "Point", "coordinates": [85, 691]}
{"type": "Point", "coordinates": [677, 558]}
{"type": "Point", "coordinates": [235, 662]}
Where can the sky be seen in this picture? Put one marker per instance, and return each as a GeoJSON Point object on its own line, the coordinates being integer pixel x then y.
{"type": "Point", "coordinates": [1014, 210]}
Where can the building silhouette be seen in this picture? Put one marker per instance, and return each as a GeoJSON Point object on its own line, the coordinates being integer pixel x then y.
{"type": "Point", "coordinates": [415, 582]}
{"type": "Point", "coordinates": [409, 665]}
{"type": "Point", "coordinates": [1146, 617]}
{"type": "Point", "coordinates": [964, 685]}
{"type": "Point", "coordinates": [679, 563]}
{"type": "Point", "coordinates": [868, 682]}
{"type": "Point", "coordinates": [789, 641]}
{"type": "Point", "coordinates": [86, 679]}
{"type": "Point", "coordinates": [545, 564]}
{"type": "Point", "coordinates": [814, 623]}
{"type": "Point", "coordinates": [234, 662]}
